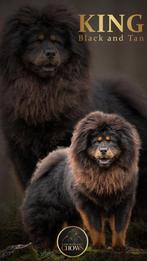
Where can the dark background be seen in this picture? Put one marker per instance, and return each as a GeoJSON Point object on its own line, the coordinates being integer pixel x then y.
{"type": "Point", "coordinates": [107, 59]}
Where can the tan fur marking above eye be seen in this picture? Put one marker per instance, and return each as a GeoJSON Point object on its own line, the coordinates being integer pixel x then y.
{"type": "Point", "coordinates": [99, 138]}
{"type": "Point", "coordinates": [108, 138]}
{"type": "Point", "coordinates": [53, 37]}
{"type": "Point", "coordinates": [41, 37]}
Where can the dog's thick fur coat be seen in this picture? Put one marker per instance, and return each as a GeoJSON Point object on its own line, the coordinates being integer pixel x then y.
{"type": "Point", "coordinates": [68, 182]}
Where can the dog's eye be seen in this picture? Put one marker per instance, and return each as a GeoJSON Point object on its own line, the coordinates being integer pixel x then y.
{"type": "Point", "coordinates": [99, 139]}
{"type": "Point", "coordinates": [41, 37]}
{"type": "Point", "coordinates": [108, 138]}
{"type": "Point", "coordinates": [55, 39]}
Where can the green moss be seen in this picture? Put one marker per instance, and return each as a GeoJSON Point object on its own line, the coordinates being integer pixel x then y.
{"type": "Point", "coordinates": [101, 255]}
{"type": "Point", "coordinates": [137, 238]}
{"type": "Point", "coordinates": [137, 235]}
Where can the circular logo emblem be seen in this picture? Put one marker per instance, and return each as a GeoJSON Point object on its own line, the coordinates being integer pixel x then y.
{"type": "Point", "coordinates": [72, 241]}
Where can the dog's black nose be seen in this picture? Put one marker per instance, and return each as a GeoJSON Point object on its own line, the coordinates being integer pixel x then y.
{"type": "Point", "coordinates": [103, 150]}
{"type": "Point", "coordinates": [50, 53]}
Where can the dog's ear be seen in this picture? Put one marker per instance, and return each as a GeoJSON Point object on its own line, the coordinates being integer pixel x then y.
{"type": "Point", "coordinates": [80, 139]}
{"type": "Point", "coordinates": [130, 144]}
{"type": "Point", "coordinates": [84, 130]}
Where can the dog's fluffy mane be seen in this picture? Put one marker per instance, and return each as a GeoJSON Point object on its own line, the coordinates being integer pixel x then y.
{"type": "Point", "coordinates": [121, 173]}
{"type": "Point", "coordinates": [29, 97]}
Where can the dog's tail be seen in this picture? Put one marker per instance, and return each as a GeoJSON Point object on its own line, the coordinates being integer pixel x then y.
{"type": "Point", "coordinates": [48, 163]}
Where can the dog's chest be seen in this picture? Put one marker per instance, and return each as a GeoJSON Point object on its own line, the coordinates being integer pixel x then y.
{"type": "Point", "coordinates": [107, 203]}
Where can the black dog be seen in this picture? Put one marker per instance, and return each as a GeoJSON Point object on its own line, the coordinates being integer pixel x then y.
{"type": "Point", "coordinates": [96, 176]}
{"type": "Point", "coordinates": [45, 88]}
{"type": "Point", "coordinates": [45, 83]}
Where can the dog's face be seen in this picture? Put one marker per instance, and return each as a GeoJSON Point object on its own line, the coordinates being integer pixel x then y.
{"type": "Point", "coordinates": [44, 43]}
{"type": "Point", "coordinates": [104, 148]}
{"type": "Point", "coordinates": [46, 50]}
{"type": "Point", "coordinates": [103, 141]}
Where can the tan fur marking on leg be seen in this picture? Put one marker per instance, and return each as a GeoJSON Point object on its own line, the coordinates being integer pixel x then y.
{"type": "Point", "coordinates": [97, 237]}
{"type": "Point", "coordinates": [119, 238]}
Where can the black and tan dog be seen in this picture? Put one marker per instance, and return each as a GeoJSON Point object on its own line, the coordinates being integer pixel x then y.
{"type": "Point", "coordinates": [96, 178]}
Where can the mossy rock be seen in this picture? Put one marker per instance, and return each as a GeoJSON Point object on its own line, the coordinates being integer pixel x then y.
{"type": "Point", "coordinates": [19, 253]}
